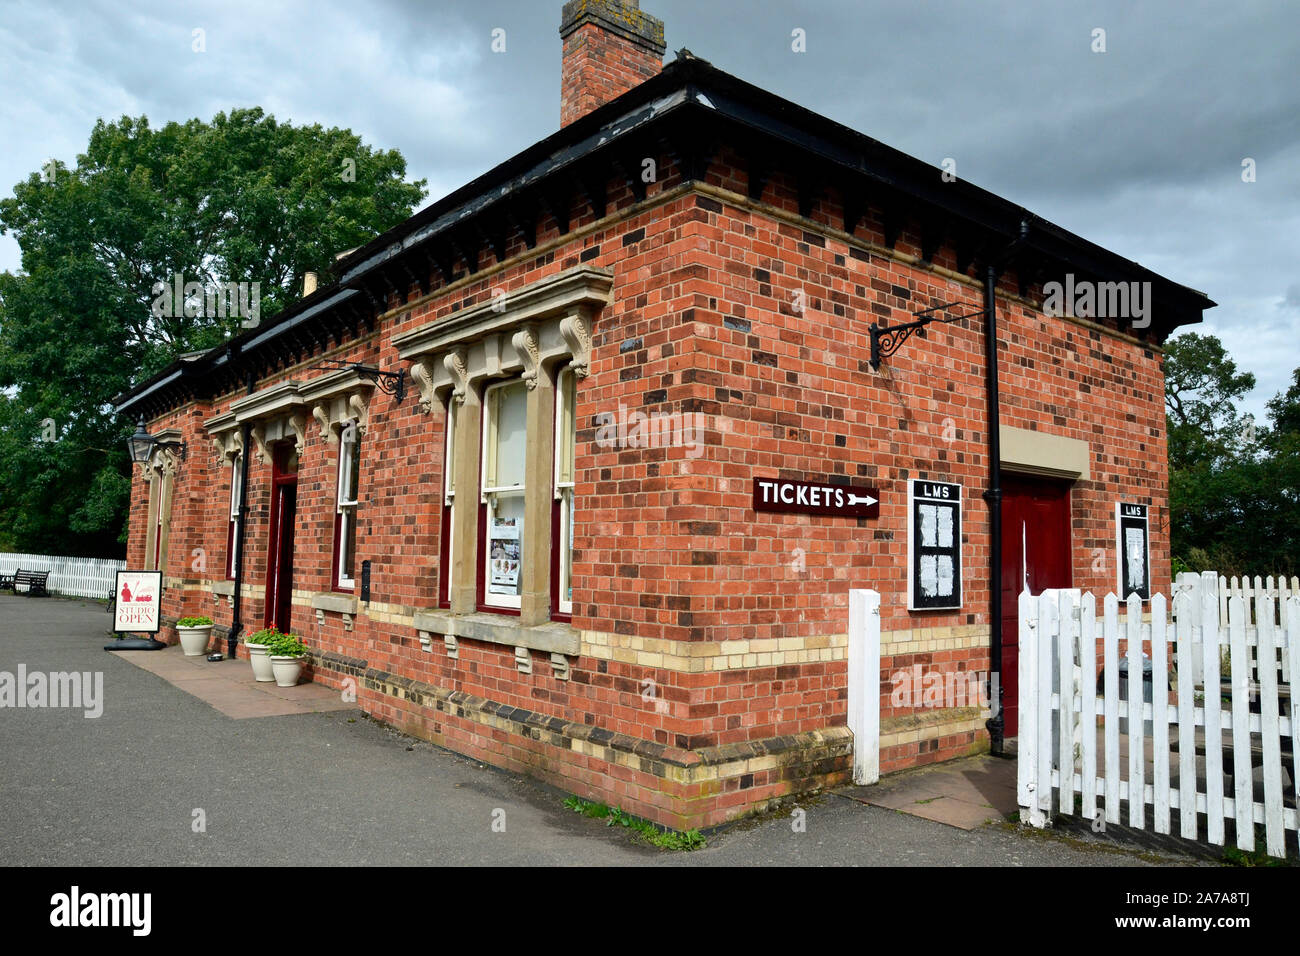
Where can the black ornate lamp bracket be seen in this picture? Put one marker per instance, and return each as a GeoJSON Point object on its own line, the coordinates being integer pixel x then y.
{"type": "Point", "coordinates": [888, 339]}
{"type": "Point", "coordinates": [390, 383]}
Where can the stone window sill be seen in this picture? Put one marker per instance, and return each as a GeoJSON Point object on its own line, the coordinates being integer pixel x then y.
{"type": "Point", "coordinates": [561, 641]}
{"type": "Point", "coordinates": [343, 604]}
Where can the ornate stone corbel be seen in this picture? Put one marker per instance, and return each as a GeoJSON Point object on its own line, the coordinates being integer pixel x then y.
{"type": "Point", "coordinates": [359, 406]}
{"type": "Point", "coordinates": [457, 365]}
{"type": "Point", "coordinates": [525, 343]}
{"type": "Point", "coordinates": [576, 332]}
{"type": "Point", "coordinates": [299, 425]}
{"type": "Point", "coordinates": [423, 379]}
{"type": "Point", "coordinates": [322, 415]}
{"type": "Point", "coordinates": [258, 432]}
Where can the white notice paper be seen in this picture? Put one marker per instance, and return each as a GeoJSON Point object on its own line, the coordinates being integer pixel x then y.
{"type": "Point", "coordinates": [929, 526]}
{"type": "Point", "coordinates": [930, 576]}
{"type": "Point", "coordinates": [945, 574]}
{"type": "Point", "coordinates": [1135, 554]}
{"type": "Point", "coordinates": [945, 528]}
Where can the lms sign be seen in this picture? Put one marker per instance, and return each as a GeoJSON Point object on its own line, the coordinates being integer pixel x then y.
{"type": "Point", "coordinates": [137, 602]}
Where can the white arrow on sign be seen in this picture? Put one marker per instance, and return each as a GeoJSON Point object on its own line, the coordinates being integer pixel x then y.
{"type": "Point", "coordinates": [864, 499]}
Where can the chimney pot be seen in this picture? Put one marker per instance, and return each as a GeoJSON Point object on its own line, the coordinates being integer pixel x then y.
{"type": "Point", "coordinates": [308, 284]}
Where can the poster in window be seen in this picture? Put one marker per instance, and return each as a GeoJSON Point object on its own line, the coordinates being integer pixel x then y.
{"type": "Point", "coordinates": [934, 545]}
{"type": "Point", "coordinates": [1132, 546]}
{"type": "Point", "coordinates": [503, 556]}
{"type": "Point", "coordinates": [136, 602]}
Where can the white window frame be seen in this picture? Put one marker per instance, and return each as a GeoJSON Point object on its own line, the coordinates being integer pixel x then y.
{"type": "Point", "coordinates": [345, 499]}
{"type": "Point", "coordinates": [490, 495]}
{"type": "Point", "coordinates": [563, 484]}
{"type": "Point", "coordinates": [232, 536]}
{"type": "Point", "coordinates": [449, 488]}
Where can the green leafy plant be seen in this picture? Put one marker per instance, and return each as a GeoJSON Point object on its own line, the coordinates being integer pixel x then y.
{"type": "Point", "coordinates": [286, 645]}
{"type": "Point", "coordinates": [614, 816]}
{"type": "Point", "coordinates": [194, 622]}
{"type": "Point", "coordinates": [265, 636]}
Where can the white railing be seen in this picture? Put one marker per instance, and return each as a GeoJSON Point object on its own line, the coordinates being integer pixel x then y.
{"type": "Point", "coordinates": [1184, 750]}
{"type": "Point", "coordinates": [75, 577]}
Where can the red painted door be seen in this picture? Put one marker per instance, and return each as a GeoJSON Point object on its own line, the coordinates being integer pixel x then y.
{"type": "Point", "coordinates": [279, 570]}
{"type": "Point", "coordinates": [1035, 554]}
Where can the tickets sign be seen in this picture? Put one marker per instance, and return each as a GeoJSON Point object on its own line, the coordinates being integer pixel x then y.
{"type": "Point", "coordinates": [815, 498]}
{"type": "Point", "coordinates": [137, 602]}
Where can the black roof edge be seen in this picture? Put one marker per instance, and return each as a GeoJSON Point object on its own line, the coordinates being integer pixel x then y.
{"type": "Point", "coordinates": [687, 84]}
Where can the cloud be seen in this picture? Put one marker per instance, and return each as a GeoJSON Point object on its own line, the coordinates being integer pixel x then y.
{"type": "Point", "coordinates": [1138, 148]}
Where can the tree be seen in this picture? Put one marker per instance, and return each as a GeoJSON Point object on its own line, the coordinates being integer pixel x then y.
{"type": "Point", "coordinates": [242, 199]}
{"type": "Point", "coordinates": [1234, 486]}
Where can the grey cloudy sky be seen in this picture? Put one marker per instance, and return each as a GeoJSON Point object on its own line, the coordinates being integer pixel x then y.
{"type": "Point", "coordinates": [1139, 148]}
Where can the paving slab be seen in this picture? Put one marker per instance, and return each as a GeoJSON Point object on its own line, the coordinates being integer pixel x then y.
{"type": "Point", "coordinates": [229, 686]}
{"type": "Point", "coordinates": [966, 793]}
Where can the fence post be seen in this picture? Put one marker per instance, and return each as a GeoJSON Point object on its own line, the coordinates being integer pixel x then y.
{"type": "Point", "coordinates": [1027, 736]}
{"type": "Point", "coordinates": [864, 684]}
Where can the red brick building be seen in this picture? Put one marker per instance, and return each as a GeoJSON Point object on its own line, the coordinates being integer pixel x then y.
{"type": "Point", "coordinates": [543, 548]}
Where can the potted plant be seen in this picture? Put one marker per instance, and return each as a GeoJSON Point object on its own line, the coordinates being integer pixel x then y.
{"type": "Point", "coordinates": [257, 644]}
{"type": "Point", "coordinates": [288, 655]}
{"type": "Point", "coordinates": [195, 632]}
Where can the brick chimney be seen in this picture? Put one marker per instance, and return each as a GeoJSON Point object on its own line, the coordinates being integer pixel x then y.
{"type": "Point", "coordinates": [610, 46]}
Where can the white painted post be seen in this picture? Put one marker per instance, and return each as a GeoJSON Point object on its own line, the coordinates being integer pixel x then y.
{"type": "Point", "coordinates": [1065, 678]}
{"type": "Point", "coordinates": [1160, 712]}
{"type": "Point", "coordinates": [864, 684]}
{"type": "Point", "coordinates": [1274, 834]}
{"type": "Point", "coordinates": [1027, 702]}
{"type": "Point", "coordinates": [1088, 702]}
{"type": "Point", "coordinates": [1210, 633]}
{"type": "Point", "coordinates": [1049, 627]}
{"type": "Point", "coordinates": [1243, 786]}
{"type": "Point", "coordinates": [1137, 760]}
{"type": "Point", "coordinates": [1186, 722]}
{"type": "Point", "coordinates": [1110, 662]}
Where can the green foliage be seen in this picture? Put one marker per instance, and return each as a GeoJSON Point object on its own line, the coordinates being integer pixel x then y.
{"type": "Point", "coordinates": [194, 622]}
{"type": "Point", "coordinates": [265, 636]}
{"type": "Point", "coordinates": [285, 645]}
{"type": "Point", "coordinates": [242, 198]}
{"type": "Point", "coordinates": [1234, 485]}
{"type": "Point", "coordinates": [613, 816]}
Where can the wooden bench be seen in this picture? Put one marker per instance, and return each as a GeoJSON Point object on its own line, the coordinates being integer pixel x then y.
{"type": "Point", "coordinates": [34, 581]}
{"type": "Point", "coordinates": [6, 582]}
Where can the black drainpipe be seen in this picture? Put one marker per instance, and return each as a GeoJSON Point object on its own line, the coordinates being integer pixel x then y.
{"type": "Point", "coordinates": [237, 620]}
{"type": "Point", "coordinates": [993, 495]}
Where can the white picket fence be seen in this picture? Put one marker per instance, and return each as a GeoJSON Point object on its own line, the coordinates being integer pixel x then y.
{"type": "Point", "coordinates": [75, 577]}
{"type": "Point", "coordinates": [1199, 757]}
{"type": "Point", "coordinates": [1251, 591]}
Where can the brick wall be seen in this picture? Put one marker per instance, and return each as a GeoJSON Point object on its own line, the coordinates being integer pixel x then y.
{"type": "Point", "coordinates": [756, 319]}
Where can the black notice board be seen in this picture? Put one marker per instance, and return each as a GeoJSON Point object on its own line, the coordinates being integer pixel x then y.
{"type": "Point", "coordinates": [934, 545]}
{"type": "Point", "coordinates": [1132, 548]}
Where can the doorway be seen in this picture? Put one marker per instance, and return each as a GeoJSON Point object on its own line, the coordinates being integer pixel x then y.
{"type": "Point", "coordinates": [284, 509]}
{"type": "Point", "coordinates": [1035, 554]}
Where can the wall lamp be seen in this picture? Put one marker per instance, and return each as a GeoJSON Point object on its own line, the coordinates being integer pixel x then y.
{"type": "Point", "coordinates": [141, 445]}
